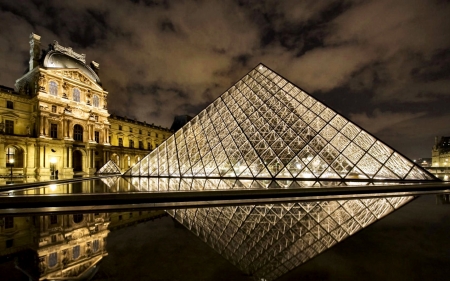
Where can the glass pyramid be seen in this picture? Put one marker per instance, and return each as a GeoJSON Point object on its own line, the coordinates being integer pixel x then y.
{"type": "Point", "coordinates": [269, 240]}
{"type": "Point", "coordinates": [265, 127]}
{"type": "Point", "coordinates": [109, 168]}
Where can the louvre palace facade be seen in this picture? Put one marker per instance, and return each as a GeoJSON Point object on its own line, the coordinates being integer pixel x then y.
{"type": "Point", "coordinates": [56, 119]}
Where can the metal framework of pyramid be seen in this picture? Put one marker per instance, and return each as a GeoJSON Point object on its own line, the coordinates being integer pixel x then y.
{"type": "Point", "coordinates": [269, 240]}
{"type": "Point", "coordinates": [109, 168]}
{"type": "Point", "coordinates": [266, 127]}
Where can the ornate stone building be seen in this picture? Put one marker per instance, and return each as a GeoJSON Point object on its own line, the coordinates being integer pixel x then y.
{"type": "Point", "coordinates": [56, 119]}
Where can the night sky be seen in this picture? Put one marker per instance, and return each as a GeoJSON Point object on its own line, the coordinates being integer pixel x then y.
{"type": "Point", "coordinates": [384, 64]}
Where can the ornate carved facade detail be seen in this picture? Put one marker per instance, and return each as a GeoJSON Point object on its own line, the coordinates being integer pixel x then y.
{"type": "Point", "coordinates": [68, 51]}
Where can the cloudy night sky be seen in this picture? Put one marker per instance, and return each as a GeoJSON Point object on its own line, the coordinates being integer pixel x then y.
{"type": "Point", "coordinates": [383, 64]}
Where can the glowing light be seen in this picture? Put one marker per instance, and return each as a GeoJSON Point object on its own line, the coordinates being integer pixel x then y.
{"type": "Point", "coordinates": [52, 187]}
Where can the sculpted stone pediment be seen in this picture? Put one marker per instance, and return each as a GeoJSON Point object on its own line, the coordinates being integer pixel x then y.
{"type": "Point", "coordinates": [77, 75]}
{"type": "Point", "coordinates": [9, 114]}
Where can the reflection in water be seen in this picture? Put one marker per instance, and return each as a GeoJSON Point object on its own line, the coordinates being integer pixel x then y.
{"type": "Point", "coordinates": [264, 241]}
{"type": "Point", "coordinates": [62, 247]}
{"type": "Point", "coordinates": [268, 241]}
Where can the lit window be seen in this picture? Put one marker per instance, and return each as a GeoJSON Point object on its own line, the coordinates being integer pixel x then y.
{"type": "Point", "coordinates": [78, 133]}
{"type": "Point", "coordinates": [10, 151]}
{"type": "Point", "coordinates": [54, 131]}
{"type": "Point", "coordinates": [76, 95]}
{"type": "Point", "coordinates": [9, 127]}
{"type": "Point", "coordinates": [95, 101]}
{"type": "Point", "coordinates": [9, 104]}
{"type": "Point", "coordinates": [53, 88]}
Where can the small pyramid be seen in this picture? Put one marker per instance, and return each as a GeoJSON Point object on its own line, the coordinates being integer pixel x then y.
{"type": "Point", "coordinates": [110, 168]}
{"type": "Point", "coordinates": [266, 127]}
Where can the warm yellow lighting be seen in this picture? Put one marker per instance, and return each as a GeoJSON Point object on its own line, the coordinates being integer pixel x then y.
{"type": "Point", "coordinates": [53, 160]}
{"type": "Point", "coordinates": [52, 187]}
{"type": "Point", "coordinates": [11, 161]}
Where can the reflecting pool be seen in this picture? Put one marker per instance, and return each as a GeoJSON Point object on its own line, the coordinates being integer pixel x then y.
{"type": "Point", "coordinates": [241, 242]}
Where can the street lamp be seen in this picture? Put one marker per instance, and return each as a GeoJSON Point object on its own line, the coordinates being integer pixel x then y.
{"type": "Point", "coordinates": [11, 164]}
{"type": "Point", "coordinates": [52, 166]}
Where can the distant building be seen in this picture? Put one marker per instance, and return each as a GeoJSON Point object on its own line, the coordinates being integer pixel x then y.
{"type": "Point", "coordinates": [56, 119]}
{"type": "Point", "coordinates": [441, 152]}
{"type": "Point", "coordinates": [179, 121]}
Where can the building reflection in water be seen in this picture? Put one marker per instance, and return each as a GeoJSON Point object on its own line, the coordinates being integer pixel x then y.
{"type": "Point", "coordinates": [62, 247]}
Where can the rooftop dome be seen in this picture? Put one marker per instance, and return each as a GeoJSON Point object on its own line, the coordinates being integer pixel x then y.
{"type": "Point", "coordinates": [57, 59]}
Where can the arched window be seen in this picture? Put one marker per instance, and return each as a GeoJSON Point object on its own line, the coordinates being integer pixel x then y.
{"type": "Point", "coordinates": [53, 88]}
{"type": "Point", "coordinates": [10, 152]}
{"type": "Point", "coordinates": [78, 133]}
{"type": "Point", "coordinates": [76, 95]}
{"type": "Point", "coordinates": [128, 161]}
{"type": "Point", "coordinates": [95, 101]}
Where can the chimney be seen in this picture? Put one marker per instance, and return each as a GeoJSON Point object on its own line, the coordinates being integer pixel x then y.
{"type": "Point", "coordinates": [96, 67]}
{"type": "Point", "coordinates": [35, 50]}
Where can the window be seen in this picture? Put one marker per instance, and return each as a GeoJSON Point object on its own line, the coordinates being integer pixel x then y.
{"type": "Point", "coordinates": [52, 259]}
{"type": "Point", "coordinates": [120, 142]}
{"type": "Point", "coordinates": [95, 101]}
{"type": "Point", "coordinates": [9, 104]}
{"type": "Point", "coordinates": [77, 218]}
{"type": "Point", "coordinates": [76, 95]}
{"type": "Point", "coordinates": [95, 246]}
{"type": "Point", "coordinates": [10, 151]}
{"type": "Point", "coordinates": [148, 133]}
{"type": "Point", "coordinates": [9, 222]}
{"type": "Point", "coordinates": [131, 130]}
{"type": "Point", "coordinates": [156, 134]}
{"type": "Point", "coordinates": [53, 88]}
{"type": "Point", "coordinates": [120, 127]}
{"type": "Point", "coordinates": [53, 238]}
{"type": "Point", "coordinates": [141, 145]}
{"type": "Point", "coordinates": [54, 108]}
{"type": "Point", "coordinates": [140, 131]}
{"type": "Point", "coordinates": [76, 252]}
{"type": "Point", "coordinates": [132, 143]}
{"type": "Point", "coordinates": [54, 131]}
{"type": "Point", "coordinates": [9, 243]}
{"type": "Point", "coordinates": [120, 217]}
{"type": "Point", "coordinates": [97, 136]}
{"type": "Point", "coordinates": [9, 127]}
{"type": "Point", "coordinates": [53, 219]}
{"type": "Point", "coordinates": [96, 117]}
{"type": "Point", "coordinates": [129, 161]}
{"type": "Point", "coordinates": [78, 133]}
{"type": "Point", "coordinates": [149, 146]}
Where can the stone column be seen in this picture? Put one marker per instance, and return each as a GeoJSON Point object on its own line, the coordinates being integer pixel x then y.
{"type": "Point", "coordinates": [41, 125]}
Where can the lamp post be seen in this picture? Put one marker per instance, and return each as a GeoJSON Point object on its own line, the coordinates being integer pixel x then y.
{"type": "Point", "coordinates": [52, 166]}
{"type": "Point", "coordinates": [11, 164]}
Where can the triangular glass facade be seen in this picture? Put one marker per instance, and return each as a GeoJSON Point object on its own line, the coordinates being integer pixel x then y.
{"type": "Point", "coordinates": [109, 168]}
{"type": "Point", "coordinates": [265, 127]}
